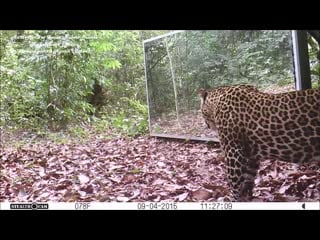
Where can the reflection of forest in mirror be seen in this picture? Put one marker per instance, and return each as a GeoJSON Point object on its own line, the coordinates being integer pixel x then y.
{"type": "Point", "coordinates": [178, 65]}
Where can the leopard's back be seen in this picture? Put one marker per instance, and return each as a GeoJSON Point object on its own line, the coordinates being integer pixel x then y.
{"type": "Point", "coordinates": [283, 126]}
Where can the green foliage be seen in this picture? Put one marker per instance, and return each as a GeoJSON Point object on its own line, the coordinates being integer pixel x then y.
{"type": "Point", "coordinates": [39, 78]}
{"type": "Point", "coordinates": [203, 59]}
{"type": "Point", "coordinates": [78, 132]}
{"type": "Point", "coordinates": [315, 84]}
{"type": "Point", "coordinates": [101, 124]}
{"type": "Point", "coordinates": [314, 58]}
{"type": "Point", "coordinates": [132, 120]}
{"type": "Point", "coordinates": [136, 171]}
{"type": "Point", "coordinates": [284, 82]}
{"type": "Point", "coordinates": [47, 76]}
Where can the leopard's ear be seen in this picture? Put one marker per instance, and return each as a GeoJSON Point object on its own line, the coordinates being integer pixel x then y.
{"type": "Point", "coordinates": [203, 93]}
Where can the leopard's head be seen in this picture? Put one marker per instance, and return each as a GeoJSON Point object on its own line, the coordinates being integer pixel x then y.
{"type": "Point", "coordinates": [207, 107]}
{"type": "Point", "coordinates": [219, 102]}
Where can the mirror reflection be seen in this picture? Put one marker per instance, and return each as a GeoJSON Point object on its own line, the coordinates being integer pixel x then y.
{"type": "Point", "coordinates": [177, 65]}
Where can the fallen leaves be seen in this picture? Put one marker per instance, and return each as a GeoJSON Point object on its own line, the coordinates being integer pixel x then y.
{"type": "Point", "coordinates": [168, 124]}
{"type": "Point", "coordinates": [285, 182]}
{"type": "Point", "coordinates": [140, 169]}
{"type": "Point", "coordinates": [83, 178]}
{"type": "Point", "coordinates": [201, 195]}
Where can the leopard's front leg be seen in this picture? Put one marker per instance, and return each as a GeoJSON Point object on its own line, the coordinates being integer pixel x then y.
{"type": "Point", "coordinates": [241, 172]}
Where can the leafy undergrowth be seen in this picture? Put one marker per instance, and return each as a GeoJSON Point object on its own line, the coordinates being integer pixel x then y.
{"type": "Point", "coordinates": [140, 169]}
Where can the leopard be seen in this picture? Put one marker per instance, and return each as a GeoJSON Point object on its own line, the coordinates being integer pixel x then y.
{"type": "Point", "coordinates": [253, 126]}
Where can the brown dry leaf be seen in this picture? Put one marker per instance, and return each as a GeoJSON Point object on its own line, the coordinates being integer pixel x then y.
{"type": "Point", "coordinates": [161, 164]}
{"type": "Point", "coordinates": [159, 182]}
{"type": "Point", "coordinates": [88, 189]}
{"type": "Point", "coordinates": [182, 197]}
{"type": "Point", "coordinates": [21, 192]}
{"type": "Point", "coordinates": [122, 199]}
{"type": "Point", "coordinates": [284, 188]}
{"type": "Point", "coordinates": [172, 187]}
{"type": "Point", "coordinates": [83, 178]}
{"type": "Point", "coordinates": [128, 178]}
{"type": "Point", "coordinates": [201, 194]}
{"type": "Point", "coordinates": [42, 171]}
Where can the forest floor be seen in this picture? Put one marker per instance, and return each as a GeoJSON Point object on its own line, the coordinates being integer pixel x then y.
{"type": "Point", "coordinates": [138, 169]}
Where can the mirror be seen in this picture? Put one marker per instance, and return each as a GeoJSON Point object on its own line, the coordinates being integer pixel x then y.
{"type": "Point", "coordinates": [178, 64]}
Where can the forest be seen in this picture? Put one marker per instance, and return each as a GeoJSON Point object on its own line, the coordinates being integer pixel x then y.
{"type": "Point", "coordinates": [78, 106]}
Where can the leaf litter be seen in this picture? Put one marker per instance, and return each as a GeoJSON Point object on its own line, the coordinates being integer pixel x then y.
{"type": "Point", "coordinates": [140, 169]}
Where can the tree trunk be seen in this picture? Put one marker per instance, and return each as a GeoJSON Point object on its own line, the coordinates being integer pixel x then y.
{"type": "Point", "coordinates": [173, 82]}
